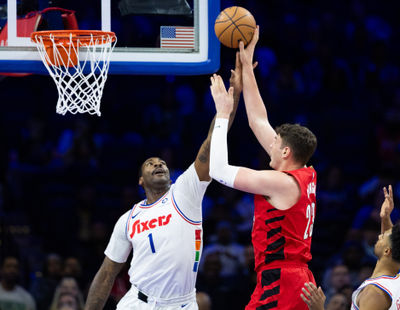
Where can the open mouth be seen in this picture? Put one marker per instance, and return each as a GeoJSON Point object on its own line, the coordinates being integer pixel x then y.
{"type": "Point", "coordinates": [158, 171]}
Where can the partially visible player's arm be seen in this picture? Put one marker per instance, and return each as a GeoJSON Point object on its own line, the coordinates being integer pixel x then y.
{"type": "Point", "coordinates": [255, 108]}
{"type": "Point", "coordinates": [102, 284]}
{"type": "Point", "coordinates": [268, 183]}
{"type": "Point", "coordinates": [386, 209]}
{"type": "Point", "coordinates": [373, 298]}
{"type": "Point", "coordinates": [202, 162]}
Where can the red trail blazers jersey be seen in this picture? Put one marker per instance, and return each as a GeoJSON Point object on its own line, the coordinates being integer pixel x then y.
{"type": "Point", "coordinates": [285, 236]}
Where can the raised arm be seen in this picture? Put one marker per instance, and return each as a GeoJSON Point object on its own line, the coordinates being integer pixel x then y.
{"type": "Point", "coordinates": [102, 284]}
{"type": "Point", "coordinates": [278, 186]}
{"type": "Point", "coordinates": [202, 162]}
{"type": "Point", "coordinates": [255, 108]}
{"type": "Point", "coordinates": [386, 209]}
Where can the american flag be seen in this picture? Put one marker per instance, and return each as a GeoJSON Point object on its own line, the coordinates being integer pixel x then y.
{"type": "Point", "coordinates": [177, 37]}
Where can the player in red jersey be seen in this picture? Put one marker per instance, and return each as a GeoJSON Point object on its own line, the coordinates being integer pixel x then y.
{"type": "Point", "coordinates": [284, 197]}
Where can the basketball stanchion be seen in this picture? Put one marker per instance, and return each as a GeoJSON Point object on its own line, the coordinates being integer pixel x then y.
{"type": "Point", "coordinates": [78, 62]}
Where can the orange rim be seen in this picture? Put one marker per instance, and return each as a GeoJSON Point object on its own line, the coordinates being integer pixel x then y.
{"type": "Point", "coordinates": [66, 36]}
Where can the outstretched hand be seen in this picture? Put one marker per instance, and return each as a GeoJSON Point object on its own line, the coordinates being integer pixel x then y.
{"type": "Point", "coordinates": [388, 204]}
{"type": "Point", "coordinates": [246, 54]}
{"type": "Point", "coordinates": [223, 99]}
{"type": "Point", "coordinates": [236, 80]}
{"type": "Point", "coordinates": [314, 297]}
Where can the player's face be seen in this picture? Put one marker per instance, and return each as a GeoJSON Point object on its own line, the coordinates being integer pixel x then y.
{"type": "Point", "coordinates": [154, 172]}
{"type": "Point", "coordinates": [276, 152]}
{"type": "Point", "coordinates": [383, 243]}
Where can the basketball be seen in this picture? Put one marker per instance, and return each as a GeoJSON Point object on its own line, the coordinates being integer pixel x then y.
{"type": "Point", "coordinates": [234, 24]}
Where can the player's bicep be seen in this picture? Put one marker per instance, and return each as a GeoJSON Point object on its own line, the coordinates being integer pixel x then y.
{"type": "Point", "coordinates": [202, 162]}
{"type": "Point", "coordinates": [373, 298]}
{"type": "Point", "coordinates": [264, 182]}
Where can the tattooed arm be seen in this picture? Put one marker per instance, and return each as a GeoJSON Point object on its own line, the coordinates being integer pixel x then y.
{"type": "Point", "coordinates": [202, 163]}
{"type": "Point", "coordinates": [102, 284]}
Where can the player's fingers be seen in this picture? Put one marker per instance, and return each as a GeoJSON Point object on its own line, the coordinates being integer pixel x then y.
{"type": "Point", "coordinates": [220, 84]}
{"type": "Point", "coordinates": [305, 299]}
{"type": "Point", "coordinates": [311, 286]}
{"type": "Point", "coordinates": [257, 33]}
{"type": "Point", "coordinates": [255, 65]}
{"type": "Point", "coordinates": [230, 91]}
{"type": "Point", "coordinates": [233, 75]}
{"type": "Point", "coordinates": [306, 293]}
{"type": "Point", "coordinates": [212, 91]}
{"type": "Point", "coordinates": [321, 293]}
{"type": "Point", "coordinates": [312, 289]}
{"type": "Point", "coordinates": [254, 39]}
{"type": "Point", "coordinates": [214, 82]}
{"type": "Point", "coordinates": [241, 47]}
{"type": "Point", "coordinates": [390, 191]}
{"type": "Point", "coordinates": [212, 88]}
{"type": "Point", "coordinates": [237, 62]}
{"type": "Point", "coordinates": [307, 285]}
{"type": "Point", "coordinates": [217, 79]}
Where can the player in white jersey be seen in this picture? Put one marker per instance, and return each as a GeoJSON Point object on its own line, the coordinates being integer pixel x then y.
{"type": "Point", "coordinates": [165, 234]}
{"type": "Point", "coordinates": [390, 287]}
{"type": "Point", "coordinates": [382, 290]}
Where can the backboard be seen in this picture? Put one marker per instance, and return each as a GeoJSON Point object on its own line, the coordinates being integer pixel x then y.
{"type": "Point", "coordinates": [178, 40]}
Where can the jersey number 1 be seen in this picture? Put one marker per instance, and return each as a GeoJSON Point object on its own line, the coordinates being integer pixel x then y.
{"type": "Point", "coordinates": [151, 243]}
{"type": "Point", "coordinates": [310, 214]}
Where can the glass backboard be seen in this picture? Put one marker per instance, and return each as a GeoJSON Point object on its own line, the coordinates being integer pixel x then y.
{"type": "Point", "coordinates": [154, 36]}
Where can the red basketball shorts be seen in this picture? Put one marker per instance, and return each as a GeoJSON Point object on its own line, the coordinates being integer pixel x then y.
{"type": "Point", "coordinates": [280, 288]}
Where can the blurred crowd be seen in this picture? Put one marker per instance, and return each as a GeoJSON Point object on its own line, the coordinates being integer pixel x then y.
{"type": "Point", "coordinates": [65, 180]}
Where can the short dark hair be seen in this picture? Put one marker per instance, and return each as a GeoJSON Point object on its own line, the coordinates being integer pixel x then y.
{"type": "Point", "coordinates": [140, 172]}
{"type": "Point", "coordinates": [300, 139]}
{"type": "Point", "coordinates": [142, 161]}
{"type": "Point", "coordinates": [395, 241]}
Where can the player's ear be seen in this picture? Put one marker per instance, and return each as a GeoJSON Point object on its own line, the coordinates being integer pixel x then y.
{"type": "Point", "coordinates": [388, 251]}
{"type": "Point", "coordinates": [141, 180]}
{"type": "Point", "coordinates": [286, 151]}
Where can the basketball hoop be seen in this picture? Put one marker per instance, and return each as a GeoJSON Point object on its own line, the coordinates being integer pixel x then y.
{"type": "Point", "coordinates": [78, 62]}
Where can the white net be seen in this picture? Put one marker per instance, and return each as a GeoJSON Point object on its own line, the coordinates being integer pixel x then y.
{"type": "Point", "coordinates": [79, 67]}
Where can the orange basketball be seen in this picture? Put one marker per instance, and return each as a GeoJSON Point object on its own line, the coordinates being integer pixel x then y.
{"type": "Point", "coordinates": [234, 24]}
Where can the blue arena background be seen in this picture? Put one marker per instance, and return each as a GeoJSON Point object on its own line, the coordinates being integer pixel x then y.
{"type": "Point", "coordinates": [330, 65]}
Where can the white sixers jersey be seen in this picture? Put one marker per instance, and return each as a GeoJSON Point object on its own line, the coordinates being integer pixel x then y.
{"type": "Point", "coordinates": [390, 285]}
{"type": "Point", "coordinates": [166, 239]}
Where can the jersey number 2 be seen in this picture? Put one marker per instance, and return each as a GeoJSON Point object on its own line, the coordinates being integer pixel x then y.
{"type": "Point", "coordinates": [310, 214]}
{"type": "Point", "coordinates": [151, 243]}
